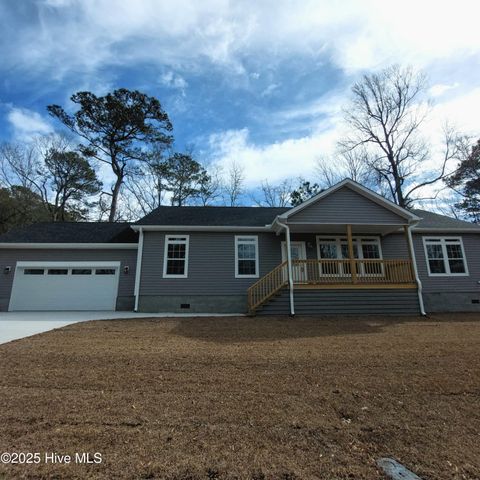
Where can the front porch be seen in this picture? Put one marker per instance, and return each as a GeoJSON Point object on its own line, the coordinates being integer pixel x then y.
{"type": "Point", "coordinates": [349, 259]}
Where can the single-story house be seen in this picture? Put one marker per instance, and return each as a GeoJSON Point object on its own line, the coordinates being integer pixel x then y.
{"type": "Point", "coordinates": [345, 250]}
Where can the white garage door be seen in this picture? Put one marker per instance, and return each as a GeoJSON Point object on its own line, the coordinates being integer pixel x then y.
{"type": "Point", "coordinates": [65, 286]}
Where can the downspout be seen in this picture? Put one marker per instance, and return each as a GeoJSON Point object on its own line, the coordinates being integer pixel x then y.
{"type": "Point", "coordinates": [138, 271]}
{"type": "Point", "coordinates": [415, 270]}
{"type": "Point", "coordinates": [289, 266]}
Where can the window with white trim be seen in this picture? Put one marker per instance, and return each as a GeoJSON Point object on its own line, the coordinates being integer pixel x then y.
{"type": "Point", "coordinates": [175, 261]}
{"type": "Point", "coordinates": [246, 256]}
{"type": "Point", "coordinates": [445, 256]}
{"type": "Point", "coordinates": [336, 248]}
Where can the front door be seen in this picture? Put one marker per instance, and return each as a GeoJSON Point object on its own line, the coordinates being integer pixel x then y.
{"type": "Point", "coordinates": [298, 252]}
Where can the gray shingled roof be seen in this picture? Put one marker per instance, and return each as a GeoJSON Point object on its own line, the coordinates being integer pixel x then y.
{"type": "Point", "coordinates": [71, 232]}
{"type": "Point", "coordinates": [261, 216]}
{"type": "Point", "coordinates": [212, 216]}
{"type": "Point", "coordinates": [102, 232]}
{"type": "Point", "coordinates": [435, 220]}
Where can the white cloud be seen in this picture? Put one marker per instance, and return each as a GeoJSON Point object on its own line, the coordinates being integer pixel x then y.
{"type": "Point", "coordinates": [461, 111]}
{"type": "Point", "coordinates": [294, 157]}
{"type": "Point", "coordinates": [27, 123]}
{"type": "Point", "coordinates": [189, 36]}
{"type": "Point", "coordinates": [354, 34]}
{"type": "Point", "coordinates": [270, 89]}
{"type": "Point", "coordinates": [290, 158]}
{"type": "Point", "coordinates": [439, 89]}
{"type": "Point", "coordinates": [173, 80]}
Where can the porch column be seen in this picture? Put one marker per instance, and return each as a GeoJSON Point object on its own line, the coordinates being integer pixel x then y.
{"type": "Point", "coordinates": [289, 264]}
{"type": "Point", "coordinates": [289, 268]}
{"type": "Point", "coordinates": [353, 265]}
{"type": "Point", "coordinates": [411, 254]}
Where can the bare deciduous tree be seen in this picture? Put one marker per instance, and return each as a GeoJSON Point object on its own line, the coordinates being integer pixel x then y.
{"type": "Point", "coordinates": [233, 186]}
{"type": "Point", "coordinates": [386, 113]}
{"type": "Point", "coordinates": [18, 165]}
{"type": "Point", "coordinates": [147, 187]}
{"type": "Point", "coordinates": [347, 164]}
{"type": "Point", "coordinates": [48, 167]}
{"type": "Point", "coordinates": [209, 188]}
{"type": "Point", "coordinates": [274, 195]}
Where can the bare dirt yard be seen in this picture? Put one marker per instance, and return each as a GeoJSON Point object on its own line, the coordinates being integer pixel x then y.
{"type": "Point", "coordinates": [246, 398]}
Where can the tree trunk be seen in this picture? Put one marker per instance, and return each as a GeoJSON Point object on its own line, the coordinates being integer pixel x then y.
{"type": "Point", "coordinates": [398, 181]}
{"type": "Point", "coordinates": [115, 194]}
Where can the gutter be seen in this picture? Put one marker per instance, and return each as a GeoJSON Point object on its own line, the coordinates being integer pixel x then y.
{"type": "Point", "coordinates": [415, 270]}
{"type": "Point", "coordinates": [289, 265]}
{"type": "Point", "coordinates": [138, 271]}
{"type": "Point", "coordinates": [198, 228]}
{"type": "Point", "coordinates": [446, 230]}
{"type": "Point", "coordinates": [73, 246]}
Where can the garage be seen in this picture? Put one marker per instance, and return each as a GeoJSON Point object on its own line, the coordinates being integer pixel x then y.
{"type": "Point", "coordinates": [52, 286]}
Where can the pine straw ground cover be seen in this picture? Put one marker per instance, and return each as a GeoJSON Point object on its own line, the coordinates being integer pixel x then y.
{"type": "Point", "coordinates": [246, 398]}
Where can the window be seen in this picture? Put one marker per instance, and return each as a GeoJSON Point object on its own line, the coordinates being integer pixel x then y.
{"type": "Point", "coordinates": [81, 271]}
{"type": "Point", "coordinates": [175, 263]}
{"type": "Point", "coordinates": [246, 256]}
{"type": "Point", "coordinates": [364, 248]}
{"type": "Point", "coordinates": [34, 271]}
{"type": "Point", "coordinates": [105, 271]}
{"type": "Point", "coordinates": [445, 256]}
{"type": "Point", "coordinates": [57, 271]}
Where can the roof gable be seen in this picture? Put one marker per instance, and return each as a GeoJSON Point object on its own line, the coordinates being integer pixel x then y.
{"type": "Point", "coordinates": [349, 202]}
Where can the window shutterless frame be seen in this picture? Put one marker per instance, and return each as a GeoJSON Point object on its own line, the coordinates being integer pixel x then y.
{"type": "Point", "coordinates": [246, 240]}
{"type": "Point", "coordinates": [364, 269]}
{"type": "Point", "coordinates": [443, 242]}
{"type": "Point", "coordinates": [176, 240]}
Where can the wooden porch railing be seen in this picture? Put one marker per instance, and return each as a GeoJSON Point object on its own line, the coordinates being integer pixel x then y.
{"type": "Point", "coordinates": [371, 271]}
{"type": "Point", "coordinates": [268, 285]}
{"type": "Point", "coordinates": [351, 272]}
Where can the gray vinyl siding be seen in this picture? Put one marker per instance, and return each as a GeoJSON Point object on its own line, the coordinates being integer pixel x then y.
{"type": "Point", "coordinates": [469, 283]}
{"type": "Point", "coordinates": [346, 206]}
{"type": "Point", "coordinates": [393, 246]}
{"type": "Point", "coordinates": [211, 264]}
{"type": "Point", "coordinates": [10, 257]}
{"type": "Point", "coordinates": [345, 302]}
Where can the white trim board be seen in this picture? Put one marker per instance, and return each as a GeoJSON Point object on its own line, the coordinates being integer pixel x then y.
{"type": "Point", "coordinates": [445, 258]}
{"type": "Point", "coordinates": [446, 230]}
{"type": "Point", "coordinates": [138, 270]}
{"type": "Point", "coordinates": [165, 253]}
{"type": "Point", "coordinates": [257, 261]}
{"type": "Point", "coordinates": [73, 246]}
{"type": "Point", "coordinates": [66, 263]}
{"type": "Point", "coordinates": [198, 228]}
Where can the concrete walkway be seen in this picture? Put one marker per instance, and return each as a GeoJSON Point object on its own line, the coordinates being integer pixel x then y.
{"type": "Point", "coordinates": [15, 325]}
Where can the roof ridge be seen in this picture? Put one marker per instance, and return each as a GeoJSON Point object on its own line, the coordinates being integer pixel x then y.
{"type": "Point", "coordinates": [219, 206]}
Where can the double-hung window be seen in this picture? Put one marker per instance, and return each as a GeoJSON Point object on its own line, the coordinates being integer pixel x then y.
{"type": "Point", "coordinates": [175, 262]}
{"type": "Point", "coordinates": [246, 256]}
{"type": "Point", "coordinates": [336, 248]}
{"type": "Point", "coordinates": [445, 256]}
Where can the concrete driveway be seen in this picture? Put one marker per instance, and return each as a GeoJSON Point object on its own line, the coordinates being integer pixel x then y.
{"type": "Point", "coordinates": [15, 325]}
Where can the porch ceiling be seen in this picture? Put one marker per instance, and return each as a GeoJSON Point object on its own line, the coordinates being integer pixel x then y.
{"type": "Point", "coordinates": [341, 229]}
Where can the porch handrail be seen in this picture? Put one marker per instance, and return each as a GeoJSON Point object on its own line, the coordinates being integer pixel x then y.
{"type": "Point", "coordinates": [375, 272]}
{"type": "Point", "coordinates": [268, 285]}
{"type": "Point", "coordinates": [366, 271]}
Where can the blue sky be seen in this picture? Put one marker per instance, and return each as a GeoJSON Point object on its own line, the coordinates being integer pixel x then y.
{"type": "Point", "coordinates": [259, 83]}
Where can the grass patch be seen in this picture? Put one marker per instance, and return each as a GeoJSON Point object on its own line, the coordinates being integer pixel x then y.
{"type": "Point", "coordinates": [247, 398]}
